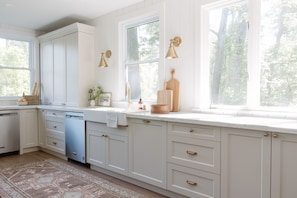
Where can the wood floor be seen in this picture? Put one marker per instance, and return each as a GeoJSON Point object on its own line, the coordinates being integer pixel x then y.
{"type": "Point", "coordinates": [10, 160]}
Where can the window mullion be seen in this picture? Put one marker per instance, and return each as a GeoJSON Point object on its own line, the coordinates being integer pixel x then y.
{"type": "Point", "coordinates": [253, 89]}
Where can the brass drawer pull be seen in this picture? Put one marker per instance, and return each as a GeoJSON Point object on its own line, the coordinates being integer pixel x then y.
{"type": "Point", "coordinates": [146, 121]}
{"type": "Point", "coordinates": [54, 143]}
{"type": "Point", "coordinates": [275, 135]}
{"type": "Point", "coordinates": [192, 183]}
{"type": "Point", "coordinates": [266, 134]}
{"type": "Point", "coordinates": [191, 130]}
{"type": "Point", "coordinates": [192, 152]}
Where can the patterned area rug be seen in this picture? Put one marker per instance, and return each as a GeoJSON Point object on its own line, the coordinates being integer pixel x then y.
{"type": "Point", "coordinates": [53, 179]}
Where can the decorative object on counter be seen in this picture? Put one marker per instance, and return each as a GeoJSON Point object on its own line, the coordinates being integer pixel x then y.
{"type": "Point", "coordinates": [175, 42]}
{"type": "Point", "coordinates": [140, 107]}
{"type": "Point", "coordinates": [94, 94]}
{"type": "Point", "coordinates": [160, 108]}
{"type": "Point", "coordinates": [174, 85]}
{"type": "Point", "coordinates": [105, 99]}
{"type": "Point", "coordinates": [103, 62]}
{"type": "Point", "coordinates": [22, 101]}
{"type": "Point", "coordinates": [165, 97]}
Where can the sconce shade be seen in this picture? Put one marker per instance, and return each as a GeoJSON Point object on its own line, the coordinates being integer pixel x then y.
{"type": "Point", "coordinates": [171, 51]}
{"type": "Point", "coordinates": [102, 62]}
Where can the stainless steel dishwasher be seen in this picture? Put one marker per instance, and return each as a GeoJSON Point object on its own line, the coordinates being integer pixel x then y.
{"type": "Point", "coordinates": [75, 136]}
{"type": "Point", "coordinates": [9, 131]}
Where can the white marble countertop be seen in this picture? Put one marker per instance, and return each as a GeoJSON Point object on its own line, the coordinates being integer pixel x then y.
{"type": "Point", "coordinates": [219, 120]}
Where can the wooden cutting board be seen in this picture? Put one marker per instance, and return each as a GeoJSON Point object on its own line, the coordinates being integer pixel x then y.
{"type": "Point", "coordinates": [174, 85]}
{"type": "Point", "coordinates": [165, 97]}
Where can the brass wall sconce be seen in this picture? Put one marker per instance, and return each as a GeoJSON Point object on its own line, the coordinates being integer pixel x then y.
{"type": "Point", "coordinates": [175, 42]}
{"type": "Point", "coordinates": [103, 62]}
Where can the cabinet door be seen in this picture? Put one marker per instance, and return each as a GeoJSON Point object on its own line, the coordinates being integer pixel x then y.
{"type": "Point", "coordinates": [96, 148]}
{"type": "Point", "coordinates": [28, 129]}
{"type": "Point", "coordinates": [245, 164]}
{"type": "Point", "coordinates": [147, 149]}
{"type": "Point", "coordinates": [284, 163]}
{"type": "Point", "coordinates": [59, 73]}
{"type": "Point", "coordinates": [72, 77]}
{"type": "Point", "coordinates": [117, 153]}
{"type": "Point", "coordinates": [46, 72]}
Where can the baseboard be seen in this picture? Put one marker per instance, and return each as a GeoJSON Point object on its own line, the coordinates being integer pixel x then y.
{"type": "Point", "coordinates": [137, 182]}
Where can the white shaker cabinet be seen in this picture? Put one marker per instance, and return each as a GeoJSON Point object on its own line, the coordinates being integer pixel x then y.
{"type": "Point", "coordinates": [66, 58]}
{"type": "Point", "coordinates": [245, 163]}
{"type": "Point", "coordinates": [28, 130]}
{"type": "Point", "coordinates": [107, 147]}
{"type": "Point", "coordinates": [147, 151]}
{"type": "Point", "coordinates": [258, 164]}
{"type": "Point", "coordinates": [284, 163]}
{"type": "Point", "coordinates": [41, 127]}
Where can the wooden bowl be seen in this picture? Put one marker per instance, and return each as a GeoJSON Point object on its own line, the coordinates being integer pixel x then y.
{"type": "Point", "coordinates": [160, 108]}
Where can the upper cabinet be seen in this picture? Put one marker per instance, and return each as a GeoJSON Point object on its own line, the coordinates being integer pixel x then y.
{"type": "Point", "coordinates": [66, 60]}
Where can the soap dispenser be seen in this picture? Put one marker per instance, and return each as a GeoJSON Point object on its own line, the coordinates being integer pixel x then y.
{"type": "Point", "coordinates": [140, 104]}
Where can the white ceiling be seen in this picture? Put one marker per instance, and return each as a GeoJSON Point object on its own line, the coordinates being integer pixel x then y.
{"type": "Point", "coordinates": [46, 15]}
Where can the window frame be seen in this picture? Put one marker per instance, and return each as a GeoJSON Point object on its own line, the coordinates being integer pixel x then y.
{"type": "Point", "coordinates": [133, 22]}
{"type": "Point", "coordinates": [33, 45]}
{"type": "Point", "coordinates": [201, 62]}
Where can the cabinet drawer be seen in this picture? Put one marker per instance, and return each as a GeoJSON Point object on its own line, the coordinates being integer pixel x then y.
{"type": "Point", "coordinates": [57, 126]}
{"type": "Point", "coordinates": [193, 183]}
{"type": "Point", "coordinates": [194, 153]}
{"type": "Point", "coordinates": [102, 128]}
{"type": "Point", "coordinates": [55, 115]}
{"type": "Point", "coordinates": [195, 131]}
{"type": "Point", "coordinates": [55, 144]}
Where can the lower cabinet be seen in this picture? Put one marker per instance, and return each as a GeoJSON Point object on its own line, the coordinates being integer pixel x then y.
{"type": "Point", "coordinates": [193, 157]}
{"type": "Point", "coordinates": [258, 164]}
{"type": "Point", "coordinates": [147, 151]}
{"type": "Point", "coordinates": [28, 130]}
{"type": "Point", "coordinates": [55, 131]}
{"type": "Point", "coordinates": [107, 147]}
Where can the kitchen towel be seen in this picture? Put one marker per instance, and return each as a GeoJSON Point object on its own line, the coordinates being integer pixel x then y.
{"type": "Point", "coordinates": [112, 119]}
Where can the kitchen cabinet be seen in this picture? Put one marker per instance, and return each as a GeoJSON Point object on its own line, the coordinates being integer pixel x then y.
{"type": "Point", "coordinates": [193, 157]}
{"type": "Point", "coordinates": [147, 151]}
{"type": "Point", "coordinates": [107, 147]}
{"type": "Point", "coordinates": [66, 58]}
{"type": "Point", "coordinates": [55, 131]}
{"type": "Point", "coordinates": [258, 164]}
{"type": "Point", "coordinates": [283, 166]}
{"type": "Point", "coordinates": [28, 130]}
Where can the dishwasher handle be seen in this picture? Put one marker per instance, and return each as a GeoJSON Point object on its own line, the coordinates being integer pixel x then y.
{"type": "Point", "coordinates": [72, 115]}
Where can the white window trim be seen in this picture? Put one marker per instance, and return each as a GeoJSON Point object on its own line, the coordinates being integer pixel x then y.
{"type": "Point", "coordinates": [201, 74]}
{"type": "Point", "coordinates": [154, 11]}
{"type": "Point", "coordinates": [19, 34]}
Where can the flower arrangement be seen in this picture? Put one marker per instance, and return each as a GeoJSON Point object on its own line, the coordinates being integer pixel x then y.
{"type": "Point", "coordinates": [94, 92]}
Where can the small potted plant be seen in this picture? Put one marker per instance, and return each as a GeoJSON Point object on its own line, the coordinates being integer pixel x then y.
{"type": "Point", "coordinates": [94, 93]}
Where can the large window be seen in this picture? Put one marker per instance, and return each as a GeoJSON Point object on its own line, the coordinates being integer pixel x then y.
{"type": "Point", "coordinates": [252, 53]}
{"type": "Point", "coordinates": [15, 70]}
{"type": "Point", "coordinates": [142, 58]}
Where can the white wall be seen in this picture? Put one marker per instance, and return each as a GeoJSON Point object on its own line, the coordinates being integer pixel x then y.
{"type": "Point", "coordinates": [177, 20]}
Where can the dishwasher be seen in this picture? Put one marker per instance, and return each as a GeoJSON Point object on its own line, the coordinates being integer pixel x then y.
{"type": "Point", "coordinates": [9, 131]}
{"type": "Point", "coordinates": [75, 136]}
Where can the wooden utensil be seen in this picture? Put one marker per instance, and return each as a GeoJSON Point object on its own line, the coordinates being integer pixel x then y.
{"type": "Point", "coordinates": [165, 97]}
{"type": "Point", "coordinates": [174, 85]}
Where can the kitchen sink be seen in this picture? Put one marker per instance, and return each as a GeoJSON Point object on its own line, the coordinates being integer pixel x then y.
{"type": "Point", "coordinates": [99, 114]}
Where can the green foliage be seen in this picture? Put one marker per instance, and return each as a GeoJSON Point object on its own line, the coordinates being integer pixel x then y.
{"type": "Point", "coordinates": [95, 92]}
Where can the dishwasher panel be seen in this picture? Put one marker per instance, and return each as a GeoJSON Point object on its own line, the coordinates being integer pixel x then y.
{"type": "Point", "coordinates": [75, 136]}
{"type": "Point", "coordinates": [9, 131]}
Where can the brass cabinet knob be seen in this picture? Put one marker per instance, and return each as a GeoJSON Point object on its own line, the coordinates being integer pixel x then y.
{"type": "Point", "coordinates": [191, 130]}
{"type": "Point", "coordinates": [266, 134]}
{"type": "Point", "coordinates": [275, 135]}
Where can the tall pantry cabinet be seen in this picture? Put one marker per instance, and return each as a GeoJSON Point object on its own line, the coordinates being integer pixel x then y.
{"type": "Point", "coordinates": [66, 60]}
